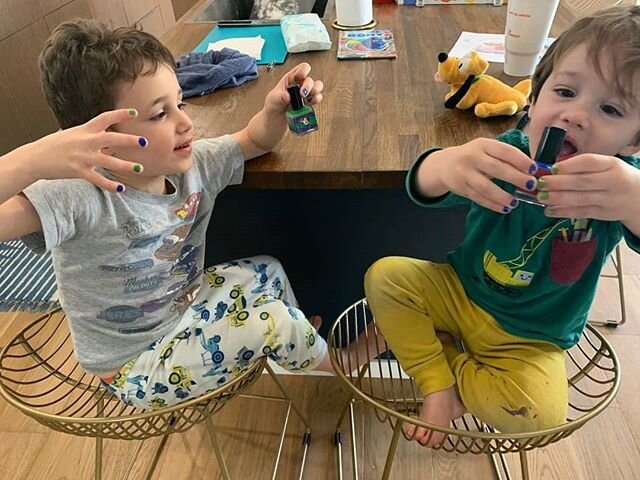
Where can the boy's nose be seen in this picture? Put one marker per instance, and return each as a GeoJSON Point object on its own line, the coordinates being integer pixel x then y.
{"type": "Point", "coordinates": [576, 117]}
{"type": "Point", "coordinates": [185, 124]}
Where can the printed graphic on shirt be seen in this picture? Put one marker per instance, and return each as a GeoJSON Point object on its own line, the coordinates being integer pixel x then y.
{"type": "Point", "coordinates": [504, 275]}
{"type": "Point", "coordinates": [144, 242]}
{"type": "Point", "coordinates": [572, 251]}
{"type": "Point", "coordinates": [573, 248]}
{"type": "Point", "coordinates": [128, 267]}
{"type": "Point", "coordinates": [121, 314]}
{"type": "Point", "coordinates": [172, 243]}
{"type": "Point", "coordinates": [144, 283]}
{"type": "Point", "coordinates": [135, 227]}
{"type": "Point", "coordinates": [188, 211]}
{"type": "Point", "coordinates": [186, 262]}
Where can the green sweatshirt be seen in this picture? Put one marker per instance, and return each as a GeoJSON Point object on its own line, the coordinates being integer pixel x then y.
{"type": "Point", "coordinates": [536, 275]}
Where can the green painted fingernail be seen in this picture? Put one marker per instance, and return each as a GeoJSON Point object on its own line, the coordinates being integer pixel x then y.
{"type": "Point", "coordinates": [133, 112]}
{"type": "Point", "coordinates": [550, 212]}
{"type": "Point", "coordinates": [541, 184]}
{"type": "Point", "coordinates": [137, 168]}
{"type": "Point", "coordinates": [543, 195]}
{"type": "Point", "coordinates": [554, 169]}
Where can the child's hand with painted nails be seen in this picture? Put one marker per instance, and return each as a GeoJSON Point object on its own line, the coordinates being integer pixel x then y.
{"type": "Point", "coordinates": [267, 128]}
{"type": "Point", "coordinates": [593, 186]}
{"type": "Point", "coordinates": [77, 152]}
{"type": "Point", "coordinates": [277, 101]}
{"type": "Point", "coordinates": [468, 170]}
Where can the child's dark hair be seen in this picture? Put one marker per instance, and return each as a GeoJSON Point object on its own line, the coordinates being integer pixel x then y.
{"type": "Point", "coordinates": [83, 62]}
{"type": "Point", "coordinates": [613, 33]}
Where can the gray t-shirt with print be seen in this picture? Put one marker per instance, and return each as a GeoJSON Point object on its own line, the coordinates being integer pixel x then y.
{"type": "Point", "coordinates": [127, 264]}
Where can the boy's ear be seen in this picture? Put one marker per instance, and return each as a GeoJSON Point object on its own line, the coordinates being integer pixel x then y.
{"type": "Point", "coordinates": [633, 147]}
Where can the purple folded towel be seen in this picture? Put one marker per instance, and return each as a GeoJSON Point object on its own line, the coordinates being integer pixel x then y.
{"type": "Point", "coordinates": [202, 73]}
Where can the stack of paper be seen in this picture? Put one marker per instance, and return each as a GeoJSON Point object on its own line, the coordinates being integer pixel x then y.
{"type": "Point", "coordinates": [248, 45]}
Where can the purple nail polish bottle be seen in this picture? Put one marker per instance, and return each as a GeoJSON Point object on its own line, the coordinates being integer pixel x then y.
{"type": "Point", "coordinates": [301, 118]}
{"type": "Point", "coordinates": [548, 149]}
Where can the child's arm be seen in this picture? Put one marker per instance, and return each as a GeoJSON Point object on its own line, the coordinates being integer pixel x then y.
{"type": "Point", "coordinates": [467, 170]}
{"type": "Point", "coordinates": [594, 186]}
{"type": "Point", "coordinates": [266, 129]}
{"type": "Point", "coordinates": [71, 153]}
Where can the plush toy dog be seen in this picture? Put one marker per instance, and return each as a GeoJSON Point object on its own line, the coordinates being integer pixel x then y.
{"type": "Point", "coordinates": [470, 86]}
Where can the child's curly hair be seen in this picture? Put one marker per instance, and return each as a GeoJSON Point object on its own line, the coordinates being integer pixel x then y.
{"type": "Point", "coordinates": [83, 62]}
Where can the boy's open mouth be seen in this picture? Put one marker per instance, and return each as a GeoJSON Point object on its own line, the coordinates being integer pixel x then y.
{"type": "Point", "coordinates": [183, 146]}
{"type": "Point", "coordinates": [567, 150]}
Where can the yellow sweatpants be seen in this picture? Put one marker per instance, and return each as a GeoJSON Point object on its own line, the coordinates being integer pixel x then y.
{"type": "Point", "coordinates": [514, 384]}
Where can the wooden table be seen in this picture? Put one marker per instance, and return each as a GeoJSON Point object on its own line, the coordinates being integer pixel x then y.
{"type": "Point", "coordinates": [330, 203]}
{"type": "Point", "coordinates": [377, 115]}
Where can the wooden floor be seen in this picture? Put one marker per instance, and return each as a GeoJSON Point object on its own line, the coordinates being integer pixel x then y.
{"type": "Point", "coordinates": [608, 448]}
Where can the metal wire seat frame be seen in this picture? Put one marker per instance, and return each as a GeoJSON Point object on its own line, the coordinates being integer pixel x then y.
{"type": "Point", "coordinates": [40, 377]}
{"type": "Point", "coordinates": [593, 376]}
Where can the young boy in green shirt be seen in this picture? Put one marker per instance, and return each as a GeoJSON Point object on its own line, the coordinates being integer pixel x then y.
{"type": "Point", "coordinates": [518, 289]}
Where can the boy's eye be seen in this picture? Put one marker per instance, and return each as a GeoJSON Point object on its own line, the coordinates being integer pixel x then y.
{"type": "Point", "coordinates": [181, 105]}
{"type": "Point", "coordinates": [159, 116]}
{"type": "Point", "coordinates": [565, 92]}
{"type": "Point", "coordinates": [611, 110]}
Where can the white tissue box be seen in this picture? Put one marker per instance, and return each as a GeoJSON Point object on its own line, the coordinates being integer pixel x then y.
{"type": "Point", "coordinates": [304, 32]}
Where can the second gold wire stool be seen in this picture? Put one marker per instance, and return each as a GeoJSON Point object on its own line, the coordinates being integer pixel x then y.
{"type": "Point", "coordinates": [40, 376]}
{"type": "Point", "coordinates": [593, 376]}
{"type": "Point", "coordinates": [616, 262]}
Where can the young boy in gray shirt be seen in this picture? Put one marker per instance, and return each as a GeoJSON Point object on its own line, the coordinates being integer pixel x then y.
{"type": "Point", "coordinates": [123, 196]}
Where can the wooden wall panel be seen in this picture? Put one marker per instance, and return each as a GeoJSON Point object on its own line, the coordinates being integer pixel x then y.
{"type": "Point", "coordinates": [19, 54]}
{"type": "Point", "coordinates": [17, 14]}
{"type": "Point", "coordinates": [48, 6]}
{"type": "Point", "coordinates": [13, 130]}
{"type": "Point", "coordinates": [110, 12]}
{"type": "Point", "coordinates": [77, 8]}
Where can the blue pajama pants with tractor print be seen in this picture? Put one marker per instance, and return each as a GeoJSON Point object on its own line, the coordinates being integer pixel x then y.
{"type": "Point", "coordinates": [244, 309]}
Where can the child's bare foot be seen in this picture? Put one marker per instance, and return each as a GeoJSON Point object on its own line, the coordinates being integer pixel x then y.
{"type": "Point", "coordinates": [445, 337]}
{"type": "Point", "coordinates": [438, 408]}
{"type": "Point", "coordinates": [315, 321]}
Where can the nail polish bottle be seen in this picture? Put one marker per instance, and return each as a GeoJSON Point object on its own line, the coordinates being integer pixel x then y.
{"type": "Point", "coordinates": [548, 149]}
{"type": "Point", "coordinates": [301, 118]}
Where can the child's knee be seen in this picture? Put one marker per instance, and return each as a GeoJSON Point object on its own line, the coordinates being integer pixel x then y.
{"type": "Point", "coordinates": [383, 273]}
{"type": "Point", "coordinates": [524, 408]}
{"type": "Point", "coordinates": [268, 259]}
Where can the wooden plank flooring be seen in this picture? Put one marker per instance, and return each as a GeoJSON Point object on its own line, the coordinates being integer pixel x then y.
{"type": "Point", "coordinates": [608, 448]}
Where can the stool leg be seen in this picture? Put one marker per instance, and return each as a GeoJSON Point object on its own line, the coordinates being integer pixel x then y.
{"type": "Point", "coordinates": [354, 451]}
{"type": "Point", "coordinates": [156, 456]}
{"type": "Point", "coordinates": [524, 465]}
{"type": "Point", "coordinates": [307, 435]}
{"type": "Point", "coordinates": [392, 450]}
{"type": "Point", "coordinates": [98, 473]}
{"type": "Point", "coordinates": [216, 448]}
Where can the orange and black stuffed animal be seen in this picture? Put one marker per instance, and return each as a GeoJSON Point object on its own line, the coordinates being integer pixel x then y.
{"type": "Point", "coordinates": [471, 87]}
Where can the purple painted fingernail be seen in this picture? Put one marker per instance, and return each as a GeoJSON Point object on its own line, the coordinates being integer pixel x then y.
{"type": "Point", "coordinates": [304, 92]}
{"type": "Point", "coordinates": [142, 142]}
{"type": "Point", "coordinates": [506, 209]}
{"type": "Point", "coordinates": [120, 188]}
{"type": "Point", "coordinates": [514, 202]}
{"type": "Point", "coordinates": [533, 168]}
{"type": "Point", "coordinates": [530, 185]}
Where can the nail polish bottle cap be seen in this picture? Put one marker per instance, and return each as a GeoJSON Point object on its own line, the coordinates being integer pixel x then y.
{"type": "Point", "coordinates": [550, 145]}
{"type": "Point", "coordinates": [296, 99]}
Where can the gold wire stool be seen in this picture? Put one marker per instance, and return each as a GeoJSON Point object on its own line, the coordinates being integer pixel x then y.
{"type": "Point", "coordinates": [40, 376]}
{"type": "Point", "coordinates": [616, 261]}
{"type": "Point", "coordinates": [593, 376]}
